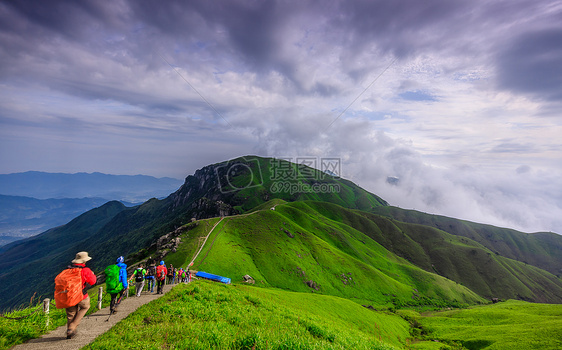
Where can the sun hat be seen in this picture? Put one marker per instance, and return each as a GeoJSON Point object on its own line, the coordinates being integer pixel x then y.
{"type": "Point", "coordinates": [81, 257]}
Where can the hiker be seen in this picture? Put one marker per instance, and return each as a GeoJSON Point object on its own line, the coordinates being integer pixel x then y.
{"type": "Point", "coordinates": [150, 274]}
{"type": "Point", "coordinates": [138, 275]}
{"type": "Point", "coordinates": [188, 275]}
{"type": "Point", "coordinates": [67, 292]}
{"type": "Point", "coordinates": [116, 282]}
{"type": "Point", "coordinates": [161, 272]}
{"type": "Point", "coordinates": [170, 274]}
{"type": "Point", "coordinates": [181, 275]}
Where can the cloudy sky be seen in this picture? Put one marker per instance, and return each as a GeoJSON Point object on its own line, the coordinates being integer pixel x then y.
{"type": "Point", "coordinates": [461, 101]}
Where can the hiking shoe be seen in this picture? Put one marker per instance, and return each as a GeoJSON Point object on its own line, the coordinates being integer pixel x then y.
{"type": "Point", "coordinates": [70, 335]}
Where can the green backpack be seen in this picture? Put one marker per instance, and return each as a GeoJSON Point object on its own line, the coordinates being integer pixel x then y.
{"type": "Point", "coordinates": [112, 279]}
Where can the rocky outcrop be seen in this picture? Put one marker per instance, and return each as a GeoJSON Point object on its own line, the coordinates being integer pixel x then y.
{"type": "Point", "coordinates": [205, 194]}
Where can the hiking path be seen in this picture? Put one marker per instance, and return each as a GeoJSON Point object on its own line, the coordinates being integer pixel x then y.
{"type": "Point", "coordinates": [91, 326]}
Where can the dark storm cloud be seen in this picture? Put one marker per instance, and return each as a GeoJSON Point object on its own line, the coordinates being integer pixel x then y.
{"type": "Point", "coordinates": [65, 17]}
{"type": "Point", "coordinates": [400, 27]}
{"type": "Point", "coordinates": [532, 63]}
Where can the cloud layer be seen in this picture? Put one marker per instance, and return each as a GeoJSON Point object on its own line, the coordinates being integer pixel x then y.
{"type": "Point", "coordinates": [458, 101]}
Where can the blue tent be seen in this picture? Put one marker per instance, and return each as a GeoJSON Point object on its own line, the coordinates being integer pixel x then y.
{"type": "Point", "coordinates": [212, 277]}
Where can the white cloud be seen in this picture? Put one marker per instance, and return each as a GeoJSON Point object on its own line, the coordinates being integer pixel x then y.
{"type": "Point", "coordinates": [458, 118]}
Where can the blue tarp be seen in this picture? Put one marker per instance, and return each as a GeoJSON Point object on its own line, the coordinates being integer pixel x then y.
{"type": "Point", "coordinates": [210, 276]}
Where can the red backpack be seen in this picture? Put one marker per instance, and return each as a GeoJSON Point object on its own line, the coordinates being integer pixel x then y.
{"type": "Point", "coordinates": [160, 273]}
{"type": "Point", "coordinates": [68, 288]}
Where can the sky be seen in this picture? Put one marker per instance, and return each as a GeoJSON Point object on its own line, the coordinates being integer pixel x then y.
{"type": "Point", "coordinates": [448, 107]}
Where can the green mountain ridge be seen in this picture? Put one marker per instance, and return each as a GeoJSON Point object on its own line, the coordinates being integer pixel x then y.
{"type": "Point", "coordinates": [541, 249]}
{"type": "Point", "coordinates": [296, 248]}
{"type": "Point", "coordinates": [331, 230]}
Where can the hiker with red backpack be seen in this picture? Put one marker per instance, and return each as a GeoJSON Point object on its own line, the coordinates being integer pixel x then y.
{"type": "Point", "coordinates": [116, 282]}
{"type": "Point", "coordinates": [71, 287]}
{"type": "Point", "coordinates": [161, 272]}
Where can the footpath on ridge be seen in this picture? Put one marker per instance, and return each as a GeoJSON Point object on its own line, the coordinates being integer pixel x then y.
{"type": "Point", "coordinates": [91, 326]}
{"type": "Point", "coordinates": [96, 323]}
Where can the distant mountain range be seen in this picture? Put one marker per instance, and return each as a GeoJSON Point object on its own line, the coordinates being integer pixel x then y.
{"type": "Point", "coordinates": [129, 188]}
{"type": "Point", "coordinates": [33, 202]}
{"type": "Point", "coordinates": [308, 232]}
{"type": "Point", "coordinates": [22, 217]}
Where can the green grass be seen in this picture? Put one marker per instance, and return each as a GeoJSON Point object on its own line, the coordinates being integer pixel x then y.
{"type": "Point", "coordinates": [296, 245]}
{"type": "Point", "coordinates": [207, 315]}
{"type": "Point", "coordinates": [514, 325]}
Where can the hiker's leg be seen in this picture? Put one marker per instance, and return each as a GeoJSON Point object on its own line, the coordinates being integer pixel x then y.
{"type": "Point", "coordinates": [120, 298]}
{"type": "Point", "coordinates": [139, 286]}
{"type": "Point", "coordinates": [112, 303]}
{"type": "Point", "coordinates": [70, 313]}
{"type": "Point", "coordinates": [83, 307]}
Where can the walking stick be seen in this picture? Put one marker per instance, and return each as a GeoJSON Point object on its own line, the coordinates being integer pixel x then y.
{"type": "Point", "coordinates": [116, 304]}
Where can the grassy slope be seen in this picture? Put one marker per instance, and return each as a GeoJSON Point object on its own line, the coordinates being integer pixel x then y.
{"type": "Point", "coordinates": [205, 315]}
{"type": "Point", "coordinates": [457, 258]}
{"type": "Point", "coordinates": [543, 249]}
{"type": "Point", "coordinates": [514, 325]}
{"type": "Point", "coordinates": [466, 261]}
{"type": "Point", "coordinates": [332, 257]}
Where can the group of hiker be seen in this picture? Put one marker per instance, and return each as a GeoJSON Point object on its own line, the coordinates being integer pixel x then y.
{"type": "Point", "coordinates": [72, 284]}
{"type": "Point", "coordinates": [159, 275]}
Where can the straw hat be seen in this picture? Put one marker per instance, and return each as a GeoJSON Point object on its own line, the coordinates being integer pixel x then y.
{"type": "Point", "coordinates": [81, 258]}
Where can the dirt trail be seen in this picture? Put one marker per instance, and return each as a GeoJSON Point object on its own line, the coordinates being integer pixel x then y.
{"type": "Point", "coordinates": [91, 326]}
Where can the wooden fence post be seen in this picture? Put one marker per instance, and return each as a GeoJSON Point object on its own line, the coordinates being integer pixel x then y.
{"type": "Point", "coordinates": [100, 297]}
{"type": "Point", "coordinates": [46, 304]}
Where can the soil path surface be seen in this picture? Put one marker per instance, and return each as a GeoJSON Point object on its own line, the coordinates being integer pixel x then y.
{"type": "Point", "coordinates": [91, 326]}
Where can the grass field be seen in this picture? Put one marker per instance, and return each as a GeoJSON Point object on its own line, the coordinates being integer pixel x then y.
{"type": "Point", "coordinates": [207, 315]}
{"type": "Point", "coordinates": [513, 325]}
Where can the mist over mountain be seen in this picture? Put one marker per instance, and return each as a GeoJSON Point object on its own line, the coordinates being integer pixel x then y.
{"type": "Point", "coordinates": [130, 188]}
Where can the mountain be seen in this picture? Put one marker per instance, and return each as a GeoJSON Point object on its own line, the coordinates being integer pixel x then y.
{"type": "Point", "coordinates": [297, 247]}
{"type": "Point", "coordinates": [21, 217]}
{"type": "Point", "coordinates": [339, 248]}
{"type": "Point", "coordinates": [225, 188]}
{"type": "Point", "coordinates": [541, 249]}
{"type": "Point", "coordinates": [323, 236]}
{"type": "Point", "coordinates": [43, 185]}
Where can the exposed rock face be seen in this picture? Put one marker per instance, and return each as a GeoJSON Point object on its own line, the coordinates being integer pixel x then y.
{"type": "Point", "coordinates": [170, 241]}
{"type": "Point", "coordinates": [206, 193]}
